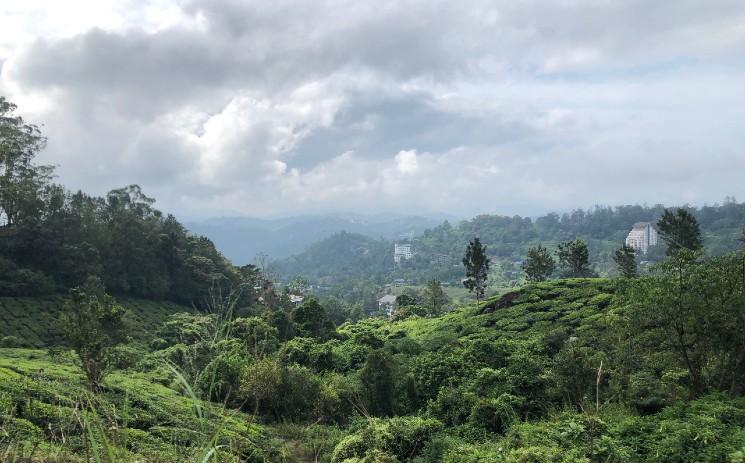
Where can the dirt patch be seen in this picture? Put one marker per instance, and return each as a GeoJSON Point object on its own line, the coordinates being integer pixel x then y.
{"type": "Point", "coordinates": [507, 300]}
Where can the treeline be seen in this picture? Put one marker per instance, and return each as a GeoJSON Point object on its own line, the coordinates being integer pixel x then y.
{"type": "Point", "coordinates": [604, 229]}
{"type": "Point", "coordinates": [52, 239]}
{"type": "Point", "coordinates": [508, 239]}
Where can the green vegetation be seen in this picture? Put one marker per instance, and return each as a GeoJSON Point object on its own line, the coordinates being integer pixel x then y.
{"type": "Point", "coordinates": [539, 265]}
{"type": "Point", "coordinates": [476, 264]}
{"type": "Point", "coordinates": [574, 259]}
{"type": "Point", "coordinates": [625, 258]}
{"type": "Point", "coordinates": [556, 371]}
{"type": "Point", "coordinates": [680, 230]}
{"type": "Point", "coordinates": [93, 326]}
{"type": "Point", "coordinates": [35, 321]}
{"type": "Point", "coordinates": [646, 367]}
{"type": "Point", "coordinates": [46, 414]}
{"type": "Point", "coordinates": [347, 262]}
{"type": "Point", "coordinates": [52, 239]}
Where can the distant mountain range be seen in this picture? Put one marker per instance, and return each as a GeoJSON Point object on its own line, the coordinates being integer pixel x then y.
{"type": "Point", "coordinates": [242, 238]}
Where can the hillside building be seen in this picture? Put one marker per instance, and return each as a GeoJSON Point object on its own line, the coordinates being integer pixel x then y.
{"type": "Point", "coordinates": [402, 252]}
{"type": "Point", "coordinates": [642, 236]}
{"type": "Point", "coordinates": [387, 303]}
{"type": "Point", "coordinates": [296, 299]}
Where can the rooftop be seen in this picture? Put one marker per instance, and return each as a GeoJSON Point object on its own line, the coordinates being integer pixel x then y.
{"type": "Point", "coordinates": [387, 299]}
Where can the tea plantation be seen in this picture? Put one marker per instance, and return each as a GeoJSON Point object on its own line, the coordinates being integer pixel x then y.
{"type": "Point", "coordinates": [34, 321]}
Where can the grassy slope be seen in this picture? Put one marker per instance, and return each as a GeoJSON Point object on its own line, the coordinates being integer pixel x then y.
{"type": "Point", "coordinates": [43, 407]}
{"type": "Point", "coordinates": [34, 320]}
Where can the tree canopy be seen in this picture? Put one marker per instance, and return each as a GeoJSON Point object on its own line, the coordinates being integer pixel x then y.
{"type": "Point", "coordinates": [680, 230]}
{"type": "Point", "coordinates": [476, 263]}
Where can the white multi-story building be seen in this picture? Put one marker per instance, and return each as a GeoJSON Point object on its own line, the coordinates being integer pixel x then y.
{"type": "Point", "coordinates": [642, 236]}
{"type": "Point", "coordinates": [401, 251]}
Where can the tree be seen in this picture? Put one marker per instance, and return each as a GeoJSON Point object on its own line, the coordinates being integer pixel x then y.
{"type": "Point", "coordinates": [404, 300]}
{"type": "Point", "coordinates": [477, 268]}
{"type": "Point", "coordinates": [282, 321]}
{"type": "Point", "coordinates": [574, 259]}
{"type": "Point", "coordinates": [434, 297]}
{"type": "Point", "coordinates": [625, 258]}
{"type": "Point", "coordinates": [311, 320]}
{"type": "Point", "coordinates": [378, 384]}
{"type": "Point", "coordinates": [680, 230]}
{"type": "Point", "coordinates": [691, 306]}
{"type": "Point", "coordinates": [539, 265]}
{"type": "Point", "coordinates": [21, 181]}
{"type": "Point", "coordinates": [261, 381]}
{"type": "Point", "coordinates": [93, 324]}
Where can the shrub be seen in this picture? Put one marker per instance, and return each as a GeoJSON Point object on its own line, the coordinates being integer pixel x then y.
{"type": "Point", "coordinates": [495, 415]}
{"type": "Point", "coordinates": [258, 337]}
{"type": "Point", "coordinates": [307, 352]}
{"type": "Point", "coordinates": [403, 438]}
{"type": "Point", "coordinates": [453, 405]}
{"type": "Point", "coordinates": [221, 379]}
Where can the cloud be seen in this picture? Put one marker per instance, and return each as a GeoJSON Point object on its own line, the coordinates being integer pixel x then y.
{"type": "Point", "coordinates": [225, 106]}
{"type": "Point", "coordinates": [406, 161]}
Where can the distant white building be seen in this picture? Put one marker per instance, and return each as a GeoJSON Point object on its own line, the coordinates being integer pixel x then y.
{"type": "Point", "coordinates": [296, 299]}
{"type": "Point", "coordinates": [402, 252]}
{"type": "Point", "coordinates": [387, 303]}
{"type": "Point", "coordinates": [439, 259]}
{"type": "Point", "coordinates": [642, 236]}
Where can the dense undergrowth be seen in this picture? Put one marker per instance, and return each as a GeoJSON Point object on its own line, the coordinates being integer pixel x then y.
{"type": "Point", "coordinates": [543, 374]}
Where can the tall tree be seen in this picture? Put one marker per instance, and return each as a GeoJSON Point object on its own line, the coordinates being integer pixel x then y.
{"type": "Point", "coordinates": [435, 298]}
{"type": "Point", "coordinates": [539, 265]}
{"type": "Point", "coordinates": [477, 268]}
{"type": "Point", "coordinates": [21, 181]}
{"type": "Point", "coordinates": [378, 383]}
{"type": "Point", "coordinates": [574, 258]}
{"type": "Point", "coordinates": [625, 258]}
{"type": "Point", "coordinates": [680, 230]}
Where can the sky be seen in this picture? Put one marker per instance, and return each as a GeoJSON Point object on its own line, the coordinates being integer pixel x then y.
{"type": "Point", "coordinates": [282, 107]}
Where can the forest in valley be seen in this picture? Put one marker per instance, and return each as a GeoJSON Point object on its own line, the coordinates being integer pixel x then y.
{"type": "Point", "coordinates": [126, 338]}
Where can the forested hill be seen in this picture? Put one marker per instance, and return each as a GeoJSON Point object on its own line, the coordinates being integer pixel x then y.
{"type": "Point", "coordinates": [507, 238]}
{"type": "Point", "coordinates": [343, 255]}
{"type": "Point", "coordinates": [63, 238]}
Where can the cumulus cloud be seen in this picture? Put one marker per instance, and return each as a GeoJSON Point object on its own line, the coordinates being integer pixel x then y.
{"type": "Point", "coordinates": [225, 106]}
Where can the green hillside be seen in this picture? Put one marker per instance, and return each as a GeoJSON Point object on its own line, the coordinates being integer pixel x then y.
{"type": "Point", "coordinates": [34, 321]}
{"type": "Point", "coordinates": [508, 239]}
{"type": "Point", "coordinates": [559, 371]}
